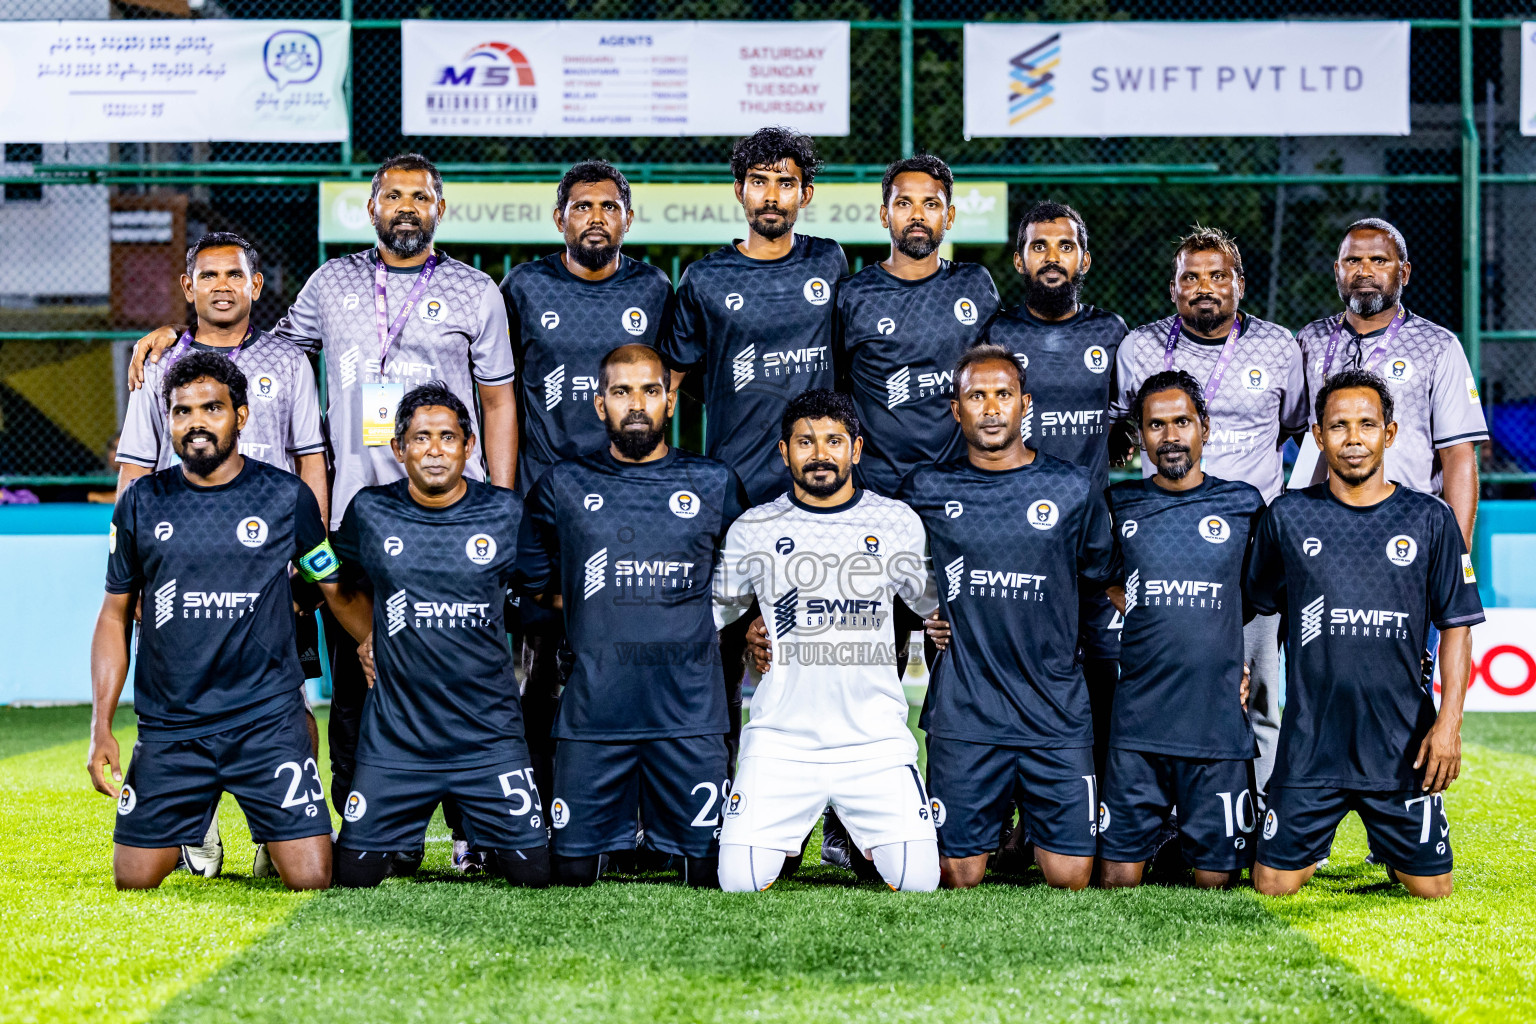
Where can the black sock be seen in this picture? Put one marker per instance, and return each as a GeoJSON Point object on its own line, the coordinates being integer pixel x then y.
{"type": "Point", "coordinates": [528, 867]}
{"type": "Point", "coordinates": [577, 871]}
{"type": "Point", "coordinates": [359, 869]}
{"type": "Point", "coordinates": [702, 872]}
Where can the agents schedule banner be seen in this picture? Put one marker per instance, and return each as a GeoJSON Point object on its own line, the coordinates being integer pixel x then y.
{"type": "Point", "coordinates": [622, 77]}
{"type": "Point", "coordinates": [1161, 78]}
{"type": "Point", "coordinates": [211, 80]}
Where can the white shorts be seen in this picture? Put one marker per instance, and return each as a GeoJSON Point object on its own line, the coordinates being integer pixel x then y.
{"type": "Point", "coordinates": [774, 803]}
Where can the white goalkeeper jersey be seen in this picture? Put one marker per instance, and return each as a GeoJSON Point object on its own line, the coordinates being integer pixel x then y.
{"type": "Point", "coordinates": [826, 581]}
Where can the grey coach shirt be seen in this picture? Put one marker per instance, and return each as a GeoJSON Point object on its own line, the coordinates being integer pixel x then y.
{"type": "Point", "coordinates": [457, 334]}
{"type": "Point", "coordinates": [1262, 393]}
{"type": "Point", "coordinates": [284, 420]}
{"type": "Point", "coordinates": [1433, 391]}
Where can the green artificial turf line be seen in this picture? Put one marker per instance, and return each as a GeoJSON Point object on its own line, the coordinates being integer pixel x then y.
{"type": "Point", "coordinates": [441, 949]}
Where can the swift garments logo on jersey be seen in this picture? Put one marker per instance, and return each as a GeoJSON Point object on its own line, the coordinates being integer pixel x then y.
{"type": "Point", "coordinates": [1070, 422]}
{"type": "Point", "coordinates": [900, 384]}
{"type": "Point", "coordinates": [844, 613]}
{"type": "Point", "coordinates": [1007, 584]}
{"type": "Point", "coordinates": [202, 604]}
{"type": "Point", "coordinates": [1178, 594]}
{"type": "Point", "coordinates": [554, 387]}
{"type": "Point", "coordinates": [1366, 623]}
{"type": "Point", "coordinates": [656, 573]}
{"type": "Point", "coordinates": [400, 611]}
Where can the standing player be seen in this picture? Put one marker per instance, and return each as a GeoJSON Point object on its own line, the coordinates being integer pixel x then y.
{"type": "Point", "coordinates": [1068, 351]}
{"type": "Point", "coordinates": [1013, 531]}
{"type": "Point", "coordinates": [903, 322]}
{"type": "Point", "coordinates": [441, 721]}
{"type": "Point", "coordinates": [627, 536]}
{"type": "Point", "coordinates": [387, 319]}
{"type": "Point", "coordinates": [565, 312]}
{"type": "Point", "coordinates": [1440, 423]}
{"type": "Point", "coordinates": [1362, 568]}
{"type": "Point", "coordinates": [1255, 392]}
{"type": "Point", "coordinates": [1179, 736]}
{"type": "Point", "coordinates": [208, 543]}
{"type": "Point", "coordinates": [829, 720]}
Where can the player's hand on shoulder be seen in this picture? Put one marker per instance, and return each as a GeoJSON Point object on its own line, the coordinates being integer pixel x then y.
{"type": "Point", "coordinates": [758, 647]}
{"type": "Point", "coordinates": [937, 630]}
{"type": "Point", "coordinates": [104, 754]}
{"type": "Point", "coordinates": [150, 346]}
{"type": "Point", "coordinates": [1440, 756]}
{"type": "Point", "coordinates": [365, 655]}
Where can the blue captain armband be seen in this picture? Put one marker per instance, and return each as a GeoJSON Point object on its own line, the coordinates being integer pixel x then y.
{"type": "Point", "coordinates": [320, 564]}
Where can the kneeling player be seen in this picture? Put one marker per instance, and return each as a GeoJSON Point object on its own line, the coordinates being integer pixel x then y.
{"type": "Point", "coordinates": [208, 542]}
{"type": "Point", "coordinates": [1007, 713]}
{"type": "Point", "coordinates": [1361, 567]}
{"type": "Point", "coordinates": [829, 720]}
{"type": "Point", "coordinates": [1179, 736]}
{"type": "Point", "coordinates": [627, 536]}
{"type": "Point", "coordinates": [442, 719]}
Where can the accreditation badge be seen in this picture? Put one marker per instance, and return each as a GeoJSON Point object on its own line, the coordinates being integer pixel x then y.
{"type": "Point", "coordinates": [379, 404]}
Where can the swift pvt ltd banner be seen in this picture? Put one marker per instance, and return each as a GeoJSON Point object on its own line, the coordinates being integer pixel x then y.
{"type": "Point", "coordinates": [622, 77]}
{"type": "Point", "coordinates": [1161, 78]}
{"type": "Point", "coordinates": [212, 80]}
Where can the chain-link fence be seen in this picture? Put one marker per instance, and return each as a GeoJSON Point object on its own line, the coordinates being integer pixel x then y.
{"type": "Point", "coordinates": [64, 317]}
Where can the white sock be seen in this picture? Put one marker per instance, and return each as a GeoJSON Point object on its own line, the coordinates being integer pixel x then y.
{"type": "Point", "coordinates": [752, 868]}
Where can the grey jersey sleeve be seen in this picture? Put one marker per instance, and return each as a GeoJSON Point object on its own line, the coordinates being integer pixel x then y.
{"type": "Point", "coordinates": [490, 350]}
{"type": "Point", "coordinates": [143, 428]}
{"type": "Point", "coordinates": [302, 323]}
{"type": "Point", "coordinates": [305, 435]}
{"type": "Point", "coordinates": [1123, 391]}
{"type": "Point", "coordinates": [1456, 416]}
{"type": "Point", "coordinates": [1293, 405]}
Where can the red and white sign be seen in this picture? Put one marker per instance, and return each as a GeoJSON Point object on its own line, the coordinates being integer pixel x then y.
{"type": "Point", "coordinates": [1503, 662]}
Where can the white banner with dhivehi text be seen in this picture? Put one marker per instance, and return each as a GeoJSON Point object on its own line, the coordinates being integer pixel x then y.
{"type": "Point", "coordinates": [622, 77]}
{"type": "Point", "coordinates": [1528, 78]}
{"type": "Point", "coordinates": [208, 80]}
{"type": "Point", "coordinates": [1164, 78]}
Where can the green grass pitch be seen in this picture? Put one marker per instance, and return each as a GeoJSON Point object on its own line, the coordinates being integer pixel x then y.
{"type": "Point", "coordinates": [443, 950]}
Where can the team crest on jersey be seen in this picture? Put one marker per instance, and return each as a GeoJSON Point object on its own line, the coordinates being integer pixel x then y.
{"type": "Point", "coordinates": [1096, 358]}
{"type": "Point", "coordinates": [1103, 817]}
{"type": "Point", "coordinates": [251, 531]}
{"type": "Point", "coordinates": [393, 546]}
{"type": "Point", "coordinates": [872, 544]}
{"type": "Point", "coordinates": [784, 545]}
{"type": "Point", "coordinates": [634, 320]}
{"type": "Point", "coordinates": [163, 530]}
{"type": "Point", "coordinates": [1402, 549]}
{"type": "Point", "coordinates": [1214, 530]}
{"type": "Point", "coordinates": [550, 319]}
{"type": "Point", "coordinates": [817, 291]}
{"type": "Point", "coordinates": [266, 388]}
{"type": "Point", "coordinates": [432, 311]}
{"type": "Point", "coordinates": [886, 325]}
{"type": "Point", "coordinates": [733, 805]}
{"type": "Point", "coordinates": [1042, 514]}
{"type": "Point", "coordinates": [1128, 529]}
{"type": "Point", "coordinates": [127, 800]}
{"type": "Point", "coordinates": [954, 509]}
{"type": "Point", "coordinates": [734, 301]}
{"type": "Point", "coordinates": [559, 813]}
{"type": "Point", "coordinates": [1311, 546]}
{"type": "Point", "coordinates": [965, 311]}
{"type": "Point", "coordinates": [592, 502]}
{"type": "Point", "coordinates": [940, 815]}
{"type": "Point", "coordinates": [1271, 823]}
{"type": "Point", "coordinates": [1255, 379]}
{"type": "Point", "coordinates": [684, 504]}
{"type": "Point", "coordinates": [480, 548]}
{"type": "Point", "coordinates": [1397, 370]}
{"type": "Point", "coordinates": [355, 807]}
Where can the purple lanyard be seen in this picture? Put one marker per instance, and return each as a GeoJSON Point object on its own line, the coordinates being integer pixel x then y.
{"type": "Point", "coordinates": [1228, 348]}
{"type": "Point", "coordinates": [388, 332]}
{"type": "Point", "coordinates": [1381, 346]}
{"type": "Point", "coordinates": [186, 340]}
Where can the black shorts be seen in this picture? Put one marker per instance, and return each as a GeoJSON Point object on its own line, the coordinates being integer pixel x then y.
{"type": "Point", "coordinates": [1214, 798]}
{"type": "Point", "coordinates": [1407, 830]}
{"type": "Point", "coordinates": [677, 785]}
{"type": "Point", "coordinates": [172, 788]}
{"type": "Point", "coordinates": [389, 808]}
{"type": "Point", "coordinates": [1095, 638]}
{"type": "Point", "coordinates": [972, 785]}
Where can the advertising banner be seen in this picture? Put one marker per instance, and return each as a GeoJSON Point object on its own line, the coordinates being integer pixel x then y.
{"type": "Point", "coordinates": [209, 80]}
{"type": "Point", "coordinates": [622, 77]}
{"type": "Point", "coordinates": [1528, 78]}
{"type": "Point", "coordinates": [1209, 78]}
{"type": "Point", "coordinates": [701, 214]}
{"type": "Point", "coordinates": [1503, 662]}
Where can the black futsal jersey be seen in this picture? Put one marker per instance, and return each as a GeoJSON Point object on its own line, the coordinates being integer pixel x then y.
{"type": "Point", "coordinates": [898, 341]}
{"type": "Point", "coordinates": [631, 549]}
{"type": "Point", "coordinates": [1008, 549]}
{"type": "Point", "coordinates": [1069, 369]}
{"type": "Point", "coordinates": [216, 645]}
{"type": "Point", "coordinates": [445, 696]}
{"type": "Point", "coordinates": [761, 331]}
{"type": "Point", "coordinates": [1181, 650]}
{"type": "Point", "coordinates": [561, 327]}
{"type": "Point", "coordinates": [1360, 588]}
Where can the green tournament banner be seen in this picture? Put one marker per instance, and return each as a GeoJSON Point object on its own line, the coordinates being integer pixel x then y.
{"type": "Point", "coordinates": [673, 214]}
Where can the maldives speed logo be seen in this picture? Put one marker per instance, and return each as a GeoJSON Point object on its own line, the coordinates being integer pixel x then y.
{"type": "Point", "coordinates": [493, 78]}
{"type": "Point", "coordinates": [1397, 370]}
{"type": "Point", "coordinates": [1255, 379]}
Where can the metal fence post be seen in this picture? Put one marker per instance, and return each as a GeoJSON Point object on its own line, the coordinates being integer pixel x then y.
{"type": "Point", "coordinates": [908, 145]}
{"type": "Point", "coordinates": [1471, 235]}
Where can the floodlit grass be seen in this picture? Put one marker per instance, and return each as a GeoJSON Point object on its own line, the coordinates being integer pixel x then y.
{"type": "Point", "coordinates": [440, 949]}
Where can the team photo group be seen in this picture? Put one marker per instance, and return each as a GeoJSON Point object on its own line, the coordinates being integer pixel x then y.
{"type": "Point", "coordinates": [540, 612]}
